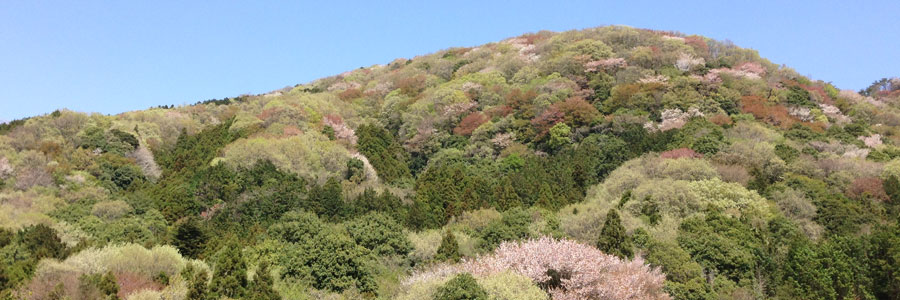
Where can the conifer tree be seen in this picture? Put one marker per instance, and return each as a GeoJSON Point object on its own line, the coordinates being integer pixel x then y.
{"type": "Point", "coordinates": [261, 287]}
{"type": "Point", "coordinates": [230, 275]}
{"type": "Point", "coordinates": [189, 238]}
{"type": "Point", "coordinates": [613, 239]}
{"type": "Point", "coordinates": [449, 248]}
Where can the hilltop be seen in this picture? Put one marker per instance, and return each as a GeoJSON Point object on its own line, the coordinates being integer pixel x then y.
{"type": "Point", "coordinates": [676, 166]}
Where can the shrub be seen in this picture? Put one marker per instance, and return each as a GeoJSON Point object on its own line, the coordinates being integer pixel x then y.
{"type": "Point", "coordinates": [111, 210]}
{"type": "Point", "coordinates": [462, 287]}
{"type": "Point", "coordinates": [513, 226]}
{"type": "Point", "coordinates": [330, 260]}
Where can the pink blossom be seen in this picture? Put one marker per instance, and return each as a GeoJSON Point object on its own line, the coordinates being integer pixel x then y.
{"type": "Point", "coordinates": [341, 130]}
{"type": "Point", "coordinates": [587, 272]}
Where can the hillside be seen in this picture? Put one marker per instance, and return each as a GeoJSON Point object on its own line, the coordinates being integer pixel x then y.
{"type": "Point", "coordinates": [605, 163]}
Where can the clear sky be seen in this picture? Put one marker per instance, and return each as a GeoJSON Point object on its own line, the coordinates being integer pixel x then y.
{"type": "Point", "coordinates": [115, 56]}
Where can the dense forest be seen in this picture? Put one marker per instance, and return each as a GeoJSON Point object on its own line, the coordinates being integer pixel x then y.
{"type": "Point", "coordinates": [605, 163]}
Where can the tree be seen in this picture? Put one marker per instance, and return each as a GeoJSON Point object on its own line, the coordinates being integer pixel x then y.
{"type": "Point", "coordinates": [383, 152]}
{"type": "Point", "coordinates": [380, 233]}
{"type": "Point", "coordinates": [261, 287]}
{"type": "Point", "coordinates": [189, 238]}
{"type": "Point", "coordinates": [230, 275]}
{"type": "Point", "coordinates": [461, 287]}
{"type": "Point", "coordinates": [613, 238]}
{"type": "Point", "coordinates": [449, 248]}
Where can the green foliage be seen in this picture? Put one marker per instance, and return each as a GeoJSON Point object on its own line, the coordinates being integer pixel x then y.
{"type": "Point", "coordinates": [380, 233]}
{"type": "Point", "coordinates": [449, 248]}
{"type": "Point", "coordinates": [461, 287]}
{"type": "Point", "coordinates": [230, 275]}
{"type": "Point", "coordinates": [261, 287]}
{"type": "Point", "coordinates": [330, 260]}
{"type": "Point", "coordinates": [41, 241]}
{"type": "Point", "coordinates": [700, 135]}
{"type": "Point", "coordinates": [98, 286]}
{"type": "Point", "coordinates": [383, 152]}
{"type": "Point", "coordinates": [328, 200]}
{"type": "Point", "coordinates": [514, 225]}
{"type": "Point", "coordinates": [613, 239]}
{"type": "Point", "coordinates": [559, 136]}
{"type": "Point", "coordinates": [356, 171]}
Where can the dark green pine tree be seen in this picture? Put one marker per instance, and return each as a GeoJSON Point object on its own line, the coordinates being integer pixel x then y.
{"type": "Point", "coordinates": [189, 238]}
{"type": "Point", "coordinates": [449, 248]}
{"type": "Point", "coordinates": [261, 287]}
{"type": "Point", "coordinates": [230, 275]}
{"type": "Point", "coordinates": [613, 239]}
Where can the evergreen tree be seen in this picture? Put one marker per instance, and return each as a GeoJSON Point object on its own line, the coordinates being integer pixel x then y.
{"type": "Point", "coordinates": [261, 287]}
{"type": "Point", "coordinates": [41, 241]}
{"type": "Point", "coordinates": [328, 199]}
{"type": "Point", "coordinates": [506, 195]}
{"type": "Point", "coordinates": [545, 196]}
{"type": "Point", "coordinates": [613, 239]}
{"type": "Point", "coordinates": [197, 279]}
{"type": "Point", "coordinates": [230, 275]}
{"type": "Point", "coordinates": [449, 248]}
{"type": "Point", "coordinates": [189, 238]}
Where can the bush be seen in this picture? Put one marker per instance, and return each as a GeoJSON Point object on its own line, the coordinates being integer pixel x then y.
{"type": "Point", "coordinates": [461, 287]}
{"type": "Point", "coordinates": [111, 210]}
{"type": "Point", "coordinates": [514, 225]}
{"type": "Point", "coordinates": [330, 260]}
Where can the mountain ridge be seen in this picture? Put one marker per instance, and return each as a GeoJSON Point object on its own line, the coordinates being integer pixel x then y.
{"type": "Point", "coordinates": [687, 168]}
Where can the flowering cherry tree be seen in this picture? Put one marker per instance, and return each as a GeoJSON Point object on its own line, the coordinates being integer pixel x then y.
{"type": "Point", "coordinates": [566, 269]}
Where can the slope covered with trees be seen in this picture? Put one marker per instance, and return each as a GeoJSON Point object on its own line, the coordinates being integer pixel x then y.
{"type": "Point", "coordinates": [605, 163]}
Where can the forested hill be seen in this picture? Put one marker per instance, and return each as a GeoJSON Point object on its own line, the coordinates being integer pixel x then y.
{"type": "Point", "coordinates": [606, 163]}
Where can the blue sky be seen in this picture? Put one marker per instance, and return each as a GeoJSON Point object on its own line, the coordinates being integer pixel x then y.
{"type": "Point", "coordinates": [115, 56]}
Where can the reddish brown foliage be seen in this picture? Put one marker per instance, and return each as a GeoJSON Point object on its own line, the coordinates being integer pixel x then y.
{"type": "Point", "coordinates": [410, 85]}
{"type": "Point", "coordinates": [292, 130]}
{"type": "Point", "coordinates": [350, 94]}
{"type": "Point", "coordinates": [516, 99]}
{"type": "Point", "coordinates": [130, 282]}
{"type": "Point", "coordinates": [721, 119]}
{"type": "Point", "coordinates": [499, 111]}
{"type": "Point", "coordinates": [773, 114]}
{"type": "Point", "coordinates": [867, 187]}
{"type": "Point", "coordinates": [577, 111]}
{"type": "Point", "coordinates": [697, 43]}
{"type": "Point", "coordinates": [547, 119]}
{"type": "Point", "coordinates": [470, 123]}
{"type": "Point", "coordinates": [681, 153]}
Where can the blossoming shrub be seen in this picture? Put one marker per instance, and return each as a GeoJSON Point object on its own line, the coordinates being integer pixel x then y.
{"type": "Point", "coordinates": [135, 261]}
{"type": "Point", "coordinates": [564, 268]}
